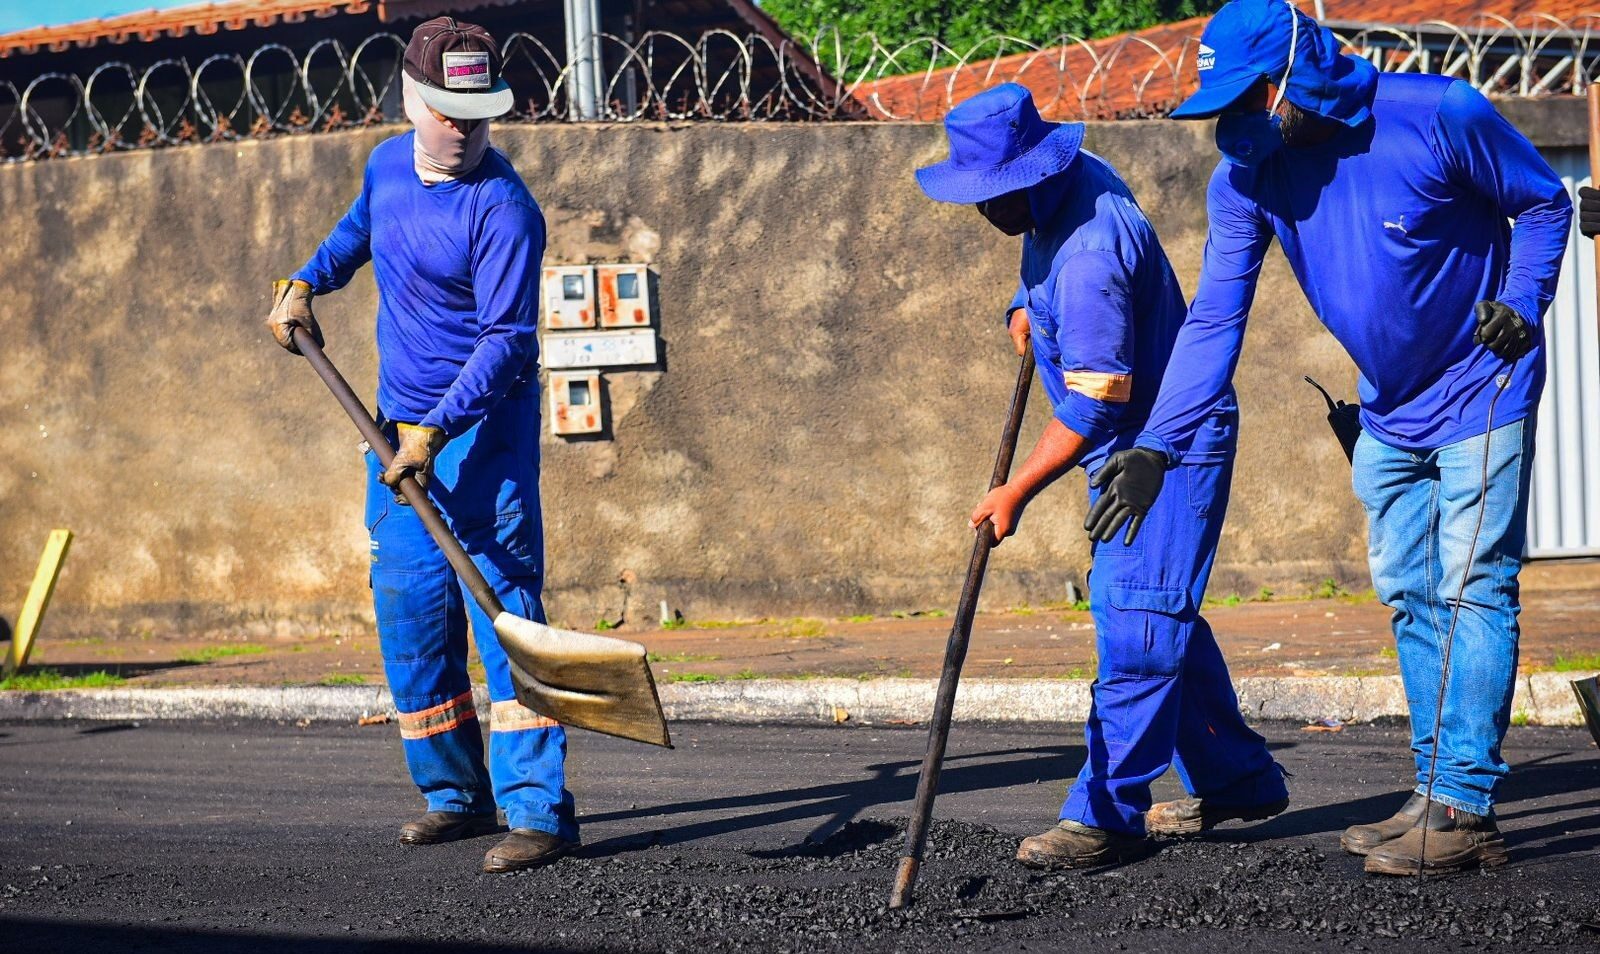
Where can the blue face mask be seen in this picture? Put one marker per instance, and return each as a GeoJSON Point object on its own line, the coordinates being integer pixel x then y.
{"type": "Point", "coordinates": [1248, 138]}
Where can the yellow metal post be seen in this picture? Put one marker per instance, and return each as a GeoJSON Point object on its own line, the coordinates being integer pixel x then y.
{"type": "Point", "coordinates": [44, 584]}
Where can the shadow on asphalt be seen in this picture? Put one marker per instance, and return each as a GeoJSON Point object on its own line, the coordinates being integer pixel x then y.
{"type": "Point", "coordinates": [1529, 782]}
{"type": "Point", "coordinates": [838, 803]}
{"type": "Point", "coordinates": [28, 934]}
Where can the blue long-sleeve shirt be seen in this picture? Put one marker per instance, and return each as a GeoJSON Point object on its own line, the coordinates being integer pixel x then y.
{"type": "Point", "coordinates": [457, 267]}
{"type": "Point", "coordinates": [1395, 230]}
{"type": "Point", "coordinates": [1103, 306]}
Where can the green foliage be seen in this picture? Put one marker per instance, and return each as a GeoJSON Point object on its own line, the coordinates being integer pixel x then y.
{"type": "Point", "coordinates": [1328, 589]}
{"type": "Point", "coordinates": [691, 677]}
{"type": "Point", "coordinates": [1521, 717]}
{"type": "Point", "coordinates": [602, 625]}
{"type": "Point", "coordinates": [860, 618]}
{"type": "Point", "coordinates": [681, 657]}
{"type": "Point", "coordinates": [677, 622]}
{"type": "Point", "coordinates": [342, 679]}
{"type": "Point", "coordinates": [963, 26]}
{"type": "Point", "coordinates": [1264, 595]}
{"type": "Point", "coordinates": [40, 680]}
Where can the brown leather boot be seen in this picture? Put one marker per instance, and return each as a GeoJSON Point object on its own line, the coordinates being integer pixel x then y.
{"type": "Point", "coordinates": [1072, 845]}
{"type": "Point", "coordinates": [1191, 816]}
{"type": "Point", "coordinates": [1456, 840]}
{"type": "Point", "coordinates": [1361, 839]}
{"type": "Point", "coordinates": [436, 828]}
{"type": "Point", "coordinates": [525, 848]}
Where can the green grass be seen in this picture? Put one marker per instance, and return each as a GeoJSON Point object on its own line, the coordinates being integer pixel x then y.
{"type": "Point", "coordinates": [860, 618]}
{"type": "Point", "coordinates": [602, 625]}
{"type": "Point", "coordinates": [1328, 589]}
{"type": "Point", "coordinates": [342, 679]}
{"type": "Point", "coordinates": [676, 623]}
{"type": "Point", "coordinates": [1263, 595]}
{"type": "Point", "coordinates": [1388, 652]}
{"type": "Point", "coordinates": [1521, 717]}
{"type": "Point", "coordinates": [746, 673]}
{"type": "Point", "coordinates": [799, 628]}
{"type": "Point", "coordinates": [1076, 672]}
{"type": "Point", "coordinates": [213, 653]}
{"type": "Point", "coordinates": [1582, 662]}
{"type": "Point", "coordinates": [681, 657]}
{"type": "Point", "coordinates": [920, 614]}
{"type": "Point", "coordinates": [690, 677]}
{"type": "Point", "coordinates": [41, 680]}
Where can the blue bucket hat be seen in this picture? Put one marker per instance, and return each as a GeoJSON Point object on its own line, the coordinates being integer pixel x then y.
{"type": "Point", "coordinates": [1250, 40]}
{"type": "Point", "coordinates": [999, 144]}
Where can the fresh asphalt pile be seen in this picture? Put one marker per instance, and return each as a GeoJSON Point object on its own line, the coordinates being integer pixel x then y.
{"type": "Point", "coordinates": [831, 896]}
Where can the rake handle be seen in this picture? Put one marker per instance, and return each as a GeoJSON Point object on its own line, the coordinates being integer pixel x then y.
{"type": "Point", "coordinates": [412, 491]}
{"type": "Point", "coordinates": [955, 653]}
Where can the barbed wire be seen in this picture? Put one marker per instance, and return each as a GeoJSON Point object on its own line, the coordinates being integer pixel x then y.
{"type": "Point", "coordinates": [722, 76]}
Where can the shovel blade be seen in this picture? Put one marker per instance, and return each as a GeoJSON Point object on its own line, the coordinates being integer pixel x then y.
{"type": "Point", "coordinates": [1588, 691]}
{"type": "Point", "coordinates": [579, 679]}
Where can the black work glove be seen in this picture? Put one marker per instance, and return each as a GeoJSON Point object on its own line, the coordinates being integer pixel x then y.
{"type": "Point", "coordinates": [1502, 331]}
{"type": "Point", "coordinates": [1589, 211]}
{"type": "Point", "coordinates": [291, 309]}
{"type": "Point", "coordinates": [1130, 482]}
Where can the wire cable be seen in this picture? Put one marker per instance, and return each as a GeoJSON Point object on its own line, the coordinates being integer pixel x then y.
{"type": "Point", "coordinates": [1503, 380]}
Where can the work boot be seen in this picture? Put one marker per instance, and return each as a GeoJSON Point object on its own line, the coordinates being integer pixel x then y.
{"type": "Point", "coordinates": [525, 848]}
{"type": "Point", "coordinates": [1456, 840]}
{"type": "Point", "coordinates": [436, 828]}
{"type": "Point", "coordinates": [1072, 845]}
{"type": "Point", "coordinates": [1361, 839]}
{"type": "Point", "coordinates": [1191, 816]}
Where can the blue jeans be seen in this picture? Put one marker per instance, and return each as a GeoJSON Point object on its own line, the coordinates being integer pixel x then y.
{"type": "Point", "coordinates": [486, 482]}
{"type": "Point", "coordinates": [1421, 511]}
{"type": "Point", "coordinates": [1162, 696]}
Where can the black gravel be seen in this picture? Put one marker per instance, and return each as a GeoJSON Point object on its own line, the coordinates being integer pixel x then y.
{"type": "Point", "coordinates": [157, 857]}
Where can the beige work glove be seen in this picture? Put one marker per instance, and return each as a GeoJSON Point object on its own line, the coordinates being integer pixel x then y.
{"type": "Point", "coordinates": [418, 447]}
{"type": "Point", "coordinates": [291, 309]}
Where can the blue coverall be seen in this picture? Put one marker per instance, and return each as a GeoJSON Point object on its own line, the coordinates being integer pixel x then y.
{"type": "Point", "coordinates": [457, 267]}
{"type": "Point", "coordinates": [1105, 308]}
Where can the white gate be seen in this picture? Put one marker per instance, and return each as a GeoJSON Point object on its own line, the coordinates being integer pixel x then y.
{"type": "Point", "coordinates": [1564, 517]}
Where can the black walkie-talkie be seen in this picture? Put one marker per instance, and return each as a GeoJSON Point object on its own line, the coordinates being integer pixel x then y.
{"type": "Point", "coordinates": [1345, 419]}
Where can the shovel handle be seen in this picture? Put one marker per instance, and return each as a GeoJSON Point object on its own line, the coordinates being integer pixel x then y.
{"type": "Point", "coordinates": [955, 653]}
{"type": "Point", "coordinates": [413, 492]}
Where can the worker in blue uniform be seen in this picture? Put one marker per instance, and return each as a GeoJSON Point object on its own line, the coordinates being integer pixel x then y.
{"type": "Point", "coordinates": [455, 241]}
{"type": "Point", "coordinates": [1102, 307]}
{"type": "Point", "coordinates": [1392, 196]}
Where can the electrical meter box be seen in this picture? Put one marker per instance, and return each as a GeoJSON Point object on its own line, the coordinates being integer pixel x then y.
{"type": "Point", "coordinates": [569, 296]}
{"type": "Point", "coordinates": [624, 292]}
{"type": "Point", "coordinates": [575, 402]}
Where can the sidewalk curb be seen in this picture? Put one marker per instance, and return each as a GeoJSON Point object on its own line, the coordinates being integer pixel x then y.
{"type": "Point", "coordinates": [1541, 699]}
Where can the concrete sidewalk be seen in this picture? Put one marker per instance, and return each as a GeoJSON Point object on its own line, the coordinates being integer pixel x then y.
{"type": "Point", "coordinates": [1294, 659]}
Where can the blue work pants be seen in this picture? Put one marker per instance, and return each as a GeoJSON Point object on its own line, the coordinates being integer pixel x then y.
{"type": "Point", "coordinates": [1162, 696]}
{"type": "Point", "coordinates": [486, 482]}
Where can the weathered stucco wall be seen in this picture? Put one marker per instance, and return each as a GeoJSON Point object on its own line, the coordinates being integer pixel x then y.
{"type": "Point", "coordinates": [835, 378]}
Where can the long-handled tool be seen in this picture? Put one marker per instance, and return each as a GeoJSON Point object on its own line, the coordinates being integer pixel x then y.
{"type": "Point", "coordinates": [955, 653]}
{"type": "Point", "coordinates": [579, 679]}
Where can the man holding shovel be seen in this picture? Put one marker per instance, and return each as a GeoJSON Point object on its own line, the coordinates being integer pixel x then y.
{"type": "Point", "coordinates": [1102, 307]}
{"type": "Point", "coordinates": [1392, 196]}
{"type": "Point", "coordinates": [455, 241]}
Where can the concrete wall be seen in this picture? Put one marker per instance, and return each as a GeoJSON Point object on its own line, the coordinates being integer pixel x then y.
{"type": "Point", "coordinates": [834, 384]}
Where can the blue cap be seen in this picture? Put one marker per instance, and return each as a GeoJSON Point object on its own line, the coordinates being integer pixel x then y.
{"type": "Point", "coordinates": [999, 144]}
{"type": "Point", "coordinates": [1249, 40]}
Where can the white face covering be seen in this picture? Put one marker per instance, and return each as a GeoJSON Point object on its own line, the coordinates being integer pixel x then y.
{"type": "Point", "coordinates": [441, 151]}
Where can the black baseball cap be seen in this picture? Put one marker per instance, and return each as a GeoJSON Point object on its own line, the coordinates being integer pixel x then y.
{"type": "Point", "coordinates": [457, 69]}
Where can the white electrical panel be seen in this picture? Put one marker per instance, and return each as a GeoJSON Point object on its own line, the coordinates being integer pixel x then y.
{"type": "Point", "coordinates": [624, 295]}
{"type": "Point", "coordinates": [599, 349]}
{"type": "Point", "coordinates": [569, 296]}
{"type": "Point", "coordinates": [575, 403]}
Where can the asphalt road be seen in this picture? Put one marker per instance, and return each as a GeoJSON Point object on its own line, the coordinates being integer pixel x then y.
{"type": "Point", "coordinates": [254, 837]}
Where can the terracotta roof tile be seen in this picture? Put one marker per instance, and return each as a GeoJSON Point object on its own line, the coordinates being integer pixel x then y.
{"type": "Point", "coordinates": [1150, 71]}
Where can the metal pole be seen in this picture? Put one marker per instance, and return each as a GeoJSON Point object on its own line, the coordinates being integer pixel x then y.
{"type": "Point", "coordinates": [955, 654]}
{"type": "Point", "coordinates": [584, 86]}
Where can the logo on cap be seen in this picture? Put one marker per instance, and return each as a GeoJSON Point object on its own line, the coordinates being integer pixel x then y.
{"type": "Point", "coordinates": [1206, 60]}
{"type": "Point", "coordinates": [466, 71]}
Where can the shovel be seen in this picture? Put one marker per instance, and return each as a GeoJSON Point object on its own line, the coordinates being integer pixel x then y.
{"type": "Point", "coordinates": [955, 655]}
{"type": "Point", "coordinates": [579, 679]}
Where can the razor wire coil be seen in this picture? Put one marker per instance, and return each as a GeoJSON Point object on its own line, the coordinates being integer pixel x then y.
{"type": "Point", "coordinates": [720, 76]}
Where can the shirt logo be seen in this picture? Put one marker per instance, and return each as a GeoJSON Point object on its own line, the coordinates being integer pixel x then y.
{"type": "Point", "coordinates": [466, 71]}
{"type": "Point", "coordinates": [1399, 226]}
{"type": "Point", "coordinates": [1208, 58]}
